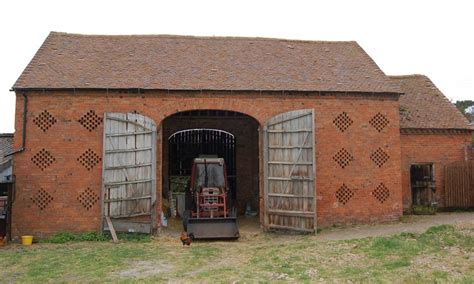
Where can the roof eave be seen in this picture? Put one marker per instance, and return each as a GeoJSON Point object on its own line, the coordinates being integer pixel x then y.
{"type": "Point", "coordinates": [22, 89]}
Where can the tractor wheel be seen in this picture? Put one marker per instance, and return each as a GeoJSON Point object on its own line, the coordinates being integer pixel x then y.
{"type": "Point", "coordinates": [186, 216]}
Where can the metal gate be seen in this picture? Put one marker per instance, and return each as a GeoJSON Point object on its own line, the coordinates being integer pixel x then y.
{"type": "Point", "coordinates": [129, 173]}
{"type": "Point", "coordinates": [459, 185]}
{"type": "Point", "coordinates": [186, 145]}
{"type": "Point", "coordinates": [289, 190]}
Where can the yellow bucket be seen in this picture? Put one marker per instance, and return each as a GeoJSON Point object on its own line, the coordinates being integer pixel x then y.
{"type": "Point", "coordinates": [26, 240]}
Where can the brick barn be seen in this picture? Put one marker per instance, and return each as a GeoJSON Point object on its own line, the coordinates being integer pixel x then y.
{"type": "Point", "coordinates": [313, 132]}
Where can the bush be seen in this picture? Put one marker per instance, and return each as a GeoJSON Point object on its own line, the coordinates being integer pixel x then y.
{"type": "Point", "coordinates": [60, 238]}
{"type": "Point", "coordinates": [66, 237]}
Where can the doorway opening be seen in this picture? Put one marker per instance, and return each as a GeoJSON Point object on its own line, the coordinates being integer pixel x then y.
{"type": "Point", "coordinates": [6, 199]}
{"type": "Point", "coordinates": [228, 135]}
{"type": "Point", "coordinates": [423, 184]}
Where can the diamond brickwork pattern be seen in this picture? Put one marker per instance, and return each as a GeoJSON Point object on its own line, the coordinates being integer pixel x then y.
{"type": "Point", "coordinates": [344, 194]}
{"type": "Point", "coordinates": [89, 159]}
{"type": "Point", "coordinates": [44, 120]}
{"type": "Point", "coordinates": [43, 159]}
{"type": "Point", "coordinates": [343, 121]}
{"type": "Point", "coordinates": [379, 122]}
{"type": "Point", "coordinates": [343, 158]}
{"type": "Point", "coordinates": [88, 198]}
{"type": "Point", "coordinates": [42, 199]}
{"type": "Point", "coordinates": [381, 193]}
{"type": "Point", "coordinates": [379, 157]}
{"type": "Point", "coordinates": [90, 120]}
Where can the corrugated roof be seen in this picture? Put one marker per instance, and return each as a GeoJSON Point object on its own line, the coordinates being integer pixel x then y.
{"type": "Point", "coordinates": [425, 106]}
{"type": "Point", "coordinates": [6, 147]}
{"type": "Point", "coordinates": [202, 63]}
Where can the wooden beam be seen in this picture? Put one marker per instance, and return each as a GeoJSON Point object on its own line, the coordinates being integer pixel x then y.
{"type": "Point", "coordinates": [127, 199]}
{"type": "Point", "coordinates": [127, 150]}
{"type": "Point", "coordinates": [127, 166]}
{"type": "Point", "coordinates": [111, 228]}
{"type": "Point", "coordinates": [290, 163]}
{"type": "Point", "coordinates": [272, 226]}
{"type": "Point", "coordinates": [289, 195]}
{"type": "Point", "coordinates": [128, 133]}
{"type": "Point", "coordinates": [289, 131]}
{"type": "Point", "coordinates": [127, 121]}
{"type": "Point", "coordinates": [291, 179]}
{"type": "Point", "coordinates": [127, 182]}
{"type": "Point", "coordinates": [130, 215]}
{"type": "Point", "coordinates": [308, 214]}
{"type": "Point", "coordinates": [289, 147]}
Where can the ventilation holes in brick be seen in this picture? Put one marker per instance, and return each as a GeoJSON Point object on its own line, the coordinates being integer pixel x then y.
{"type": "Point", "coordinates": [343, 158]}
{"type": "Point", "coordinates": [379, 157]}
{"type": "Point", "coordinates": [89, 159]}
{"type": "Point", "coordinates": [42, 199]}
{"type": "Point", "coordinates": [44, 120]}
{"type": "Point", "coordinates": [342, 121]}
{"type": "Point", "coordinates": [344, 194]}
{"type": "Point", "coordinates": [90, 120]}
{"type": "Point", "coordinates": [381, 193]}
{"type": "Point", "coordinates": [379, 122]}
{"type": "Point", "coordinates": [88, 198]}
{"type": "Point", "coordinates": [43, 159]}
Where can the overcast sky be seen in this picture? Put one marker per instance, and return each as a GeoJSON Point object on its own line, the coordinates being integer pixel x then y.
{"type": "Point", "coordinates": [435, 38]}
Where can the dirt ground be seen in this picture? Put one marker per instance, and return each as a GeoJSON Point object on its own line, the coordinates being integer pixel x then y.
{"type": "Point", "coordinates": [417, 249]}
{"type": "Point", "coordinates": [408, 224]}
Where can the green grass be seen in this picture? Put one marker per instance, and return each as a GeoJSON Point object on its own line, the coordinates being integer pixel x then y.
{"type": "Point", "coordinates": [441, 254]}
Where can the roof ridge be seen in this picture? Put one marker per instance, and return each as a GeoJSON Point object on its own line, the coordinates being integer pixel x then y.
{"type": "Point", "coordinates": [202, 37]}
{"type": "Point", "coordinates": [407, 76]}
{"type": "Point", "coordinates": [188, 62]}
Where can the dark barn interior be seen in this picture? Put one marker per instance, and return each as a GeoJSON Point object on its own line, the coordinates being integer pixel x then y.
{"type": "Point", "coordinates": [6, 196]}
{"type": "Point", "coordinates": [422, 184]}
{"type": "Point", "coordinates": [225, 134]}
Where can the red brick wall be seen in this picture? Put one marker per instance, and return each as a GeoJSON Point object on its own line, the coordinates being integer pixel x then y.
{"type": "Point", "coordinates": [65, 179]}
{"type": "Point", "coordinates": [439, 149]}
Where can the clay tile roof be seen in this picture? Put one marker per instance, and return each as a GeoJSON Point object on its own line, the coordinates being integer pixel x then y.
{"type": "Point", "coordinates": [201, 63]}
{"type": "Point", "coordinates": [424, 106]}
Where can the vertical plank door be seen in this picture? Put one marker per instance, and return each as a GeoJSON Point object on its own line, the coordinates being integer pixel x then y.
{"type": "Point", "coordinates": [129, 173]}
{"type": "Point", "coordinates": [289, 170]}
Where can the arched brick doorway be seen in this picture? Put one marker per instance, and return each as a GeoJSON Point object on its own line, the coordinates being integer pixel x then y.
{"type": "Point", "coordinates": [245, 130]}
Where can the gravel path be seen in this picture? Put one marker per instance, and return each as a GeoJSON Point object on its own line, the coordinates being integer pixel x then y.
{"type": "Point", "coordinates": [250, 227]}
{"type": "Point", "coordinates": [410, 223]}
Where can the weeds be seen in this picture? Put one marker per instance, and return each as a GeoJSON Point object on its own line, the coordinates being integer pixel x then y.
{"type": "Point", "coordinates": [66, 237]}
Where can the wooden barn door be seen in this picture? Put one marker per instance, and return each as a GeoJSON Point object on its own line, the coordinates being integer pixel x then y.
{"type": "Point", "coordinates": [289, 170]}
{"type": "Point", "coordinates": [129, 173]}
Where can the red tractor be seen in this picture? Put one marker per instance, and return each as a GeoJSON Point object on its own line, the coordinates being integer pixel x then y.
{"type": "Point", "coordinates": [209, 214]}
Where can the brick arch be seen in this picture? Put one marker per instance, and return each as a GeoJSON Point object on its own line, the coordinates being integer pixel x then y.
{"type": "Point", "coordinates": [248, 190]}
{"type": "Point", "coordinates": [245, 108]}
